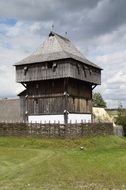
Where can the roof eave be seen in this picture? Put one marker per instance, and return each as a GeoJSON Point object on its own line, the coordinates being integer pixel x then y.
{"type": "Point", "coordinates": [95, 66]}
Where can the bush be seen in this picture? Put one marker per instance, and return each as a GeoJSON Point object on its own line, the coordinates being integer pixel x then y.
{"type": "Point", "coordinates": [121, 120]}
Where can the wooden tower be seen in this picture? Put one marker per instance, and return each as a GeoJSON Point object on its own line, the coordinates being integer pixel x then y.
{"type": "Point", "coordinates": [58, 81]}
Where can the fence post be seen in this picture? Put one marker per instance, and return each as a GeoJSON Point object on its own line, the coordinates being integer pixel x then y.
{"type": "Point", "coordinates": [82, 130]}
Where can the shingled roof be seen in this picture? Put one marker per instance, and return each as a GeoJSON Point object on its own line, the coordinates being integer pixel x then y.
{"type": "Point", "coordinates": [56, 47]}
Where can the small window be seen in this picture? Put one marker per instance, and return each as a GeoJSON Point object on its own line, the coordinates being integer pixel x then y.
{"type": "Point", "coordinates": [25, 70]}
{"type": "Point", "coordinates": [43, 67]}
{"type": "Point", "coordinates": [84, 69]}
{"type": "Point", "coordinates": [49, 65]}
{"type": "Point", "coordinates": [90, 71]}
{"type": "Point", "coordinates": [78, 68]}
{"type": "Point", "coordinates": [54, 66]}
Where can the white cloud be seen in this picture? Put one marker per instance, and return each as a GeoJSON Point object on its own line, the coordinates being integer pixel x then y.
{"type": "Point", "coordinates": [23, 38]}
{"type": "Point", "coordinates": [96, 27]}
{"type": "Point", "coordinates": [113, 85]}
{"type": "Point", "coordinates": [17, 42]}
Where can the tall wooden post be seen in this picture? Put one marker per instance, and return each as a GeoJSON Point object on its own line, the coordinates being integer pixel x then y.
{"type": "Point", "coordinates": [66, 101]}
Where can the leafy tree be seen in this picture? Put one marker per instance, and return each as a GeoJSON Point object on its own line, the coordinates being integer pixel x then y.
{"type": "Point", "coordinates": [120, 106]}
{"type": "Point", "coordinates": [98, 100]}
{"type": "Point", "coordinates": [121, 120]}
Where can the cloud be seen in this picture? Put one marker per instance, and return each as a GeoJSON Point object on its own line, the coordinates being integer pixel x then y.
{"type": "Point", "coordinates": [16, 43]}
{"type": "Point", "coordinates": [90, 18]}
{"type": "Point", "coordinates": [97, 28]}
{"type": "Point", "coordinates": [113, 77]}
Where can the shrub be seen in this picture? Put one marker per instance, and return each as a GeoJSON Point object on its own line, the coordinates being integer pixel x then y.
{"type": "Point", "coordinates": [121, 120]}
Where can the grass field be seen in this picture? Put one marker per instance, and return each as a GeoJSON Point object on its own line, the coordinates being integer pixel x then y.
{"type": "Point", "coordinates": [56, 164]}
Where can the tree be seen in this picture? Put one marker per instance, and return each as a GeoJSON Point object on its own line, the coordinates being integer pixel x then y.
{"type": "Point", "coordinates": [121, 118]}
{"type": "Point", "coordinates": [98, 101]}
{"type": "Point", "coordinates": [120, 106]}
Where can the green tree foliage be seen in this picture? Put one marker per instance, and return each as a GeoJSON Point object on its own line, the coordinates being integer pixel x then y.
{"type": "Point", "coordinates": [121, 120]}
{"type": "Point", "coordinates": [98, 101]}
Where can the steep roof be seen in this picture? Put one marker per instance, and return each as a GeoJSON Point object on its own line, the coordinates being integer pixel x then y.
{"type": "Point", "coordinates": [54, 48]}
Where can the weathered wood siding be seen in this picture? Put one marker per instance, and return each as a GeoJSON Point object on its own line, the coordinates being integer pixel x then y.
{"type": "Point", "coordinates": [46, 88]}
{"type": "Point", "coordinates": [53, 105]}
{"type": "Point", "coordinates": [80, 96]}
{"type": "Point", "coordinates": [42, 71]}
{"type": "Point", "coordinates": [79, 105]}
{"type": "Point", "coordinates": [55, 96]}
{"type": "Point", "coordinates": [57, 105]}
{"type": "Point", "coordinates": [56, 70]}
{"type": "Point", "coordinates": [59, 86]}
{"type": "Point", "coordinates": [85, 73]}
{"type": "Point", "coordinates": [23, 108]}
{"type": "Point", "coordinates": [79, 88]}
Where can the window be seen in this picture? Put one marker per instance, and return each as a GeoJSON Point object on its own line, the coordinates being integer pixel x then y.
{"type": "Point", "coordinates": [52, 66]}
{"type": "Point", "coordinates": [84, 69]}
{"type": "Point", "coordinates": [25, 70]}
{"type": "Point", "coordinates": [49, 65]}
{"type": "Point", "coordinates": [90, 71]}
{"type": "Point", "coordinates": [78, 68]}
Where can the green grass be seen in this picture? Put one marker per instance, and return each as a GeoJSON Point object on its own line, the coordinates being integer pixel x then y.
{"type": "Point", "coordinates": [56, 164]}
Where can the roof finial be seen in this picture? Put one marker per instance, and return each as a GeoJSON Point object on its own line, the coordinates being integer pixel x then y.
{"type": "Point", "coordinates": [66, 34]}
{"type": "Point", "coordinates": [52, 27]}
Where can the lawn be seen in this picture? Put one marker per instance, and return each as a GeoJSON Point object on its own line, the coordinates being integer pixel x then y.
{"type": "Point", "coordinates": [56, 164]}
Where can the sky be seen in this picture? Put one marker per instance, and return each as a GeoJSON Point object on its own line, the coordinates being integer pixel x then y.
{"type": "Point", "coordinates": [96, 27]}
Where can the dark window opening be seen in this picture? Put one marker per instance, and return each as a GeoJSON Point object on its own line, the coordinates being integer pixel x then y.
{"type": "Point", "coordinates": [54, 67]}
{"type": "Point", "coordinates": [90, 71]}
{"type": "Point", "coordinates": [78, 68]}
{"type": "Point", "coordinates": [49, 65]}
{"type": "Point", "coordinates": [84, 69]}
{"type": "Point", "coordinates": [25, 70]}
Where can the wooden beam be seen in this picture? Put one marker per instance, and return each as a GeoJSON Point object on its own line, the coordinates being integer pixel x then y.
{"type": "Point", "coordinates": [45, 96]}
{"type": "Point", "coordinates": [24, 84]}
{"type": "Point", "coordinates": [93, 87]}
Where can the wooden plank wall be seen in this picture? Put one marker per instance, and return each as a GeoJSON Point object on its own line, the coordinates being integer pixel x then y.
{"type": "Point", "coordinates": [63, 69]}
{"type": "Point", "coordinates": [48, 87]}
{"type": "Point", "coordinates": [78, 88]}
{"type": "Point", "coordinates": [55, 96]}
{"type": "Point", "coordinates": [57, 105]}
{"type": "Point", "coordinates": [23, 108]}
{"type": "Point", "coordinates": [40, 106]}
{"type": "Point", "coordinates": [46, 97]}
{"type": "Point", "coordinates": [42, 71]}
{"type": "Point", "coordinates": [85, 73]}
{"type": "Point", "coordinates": [79, 105]}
